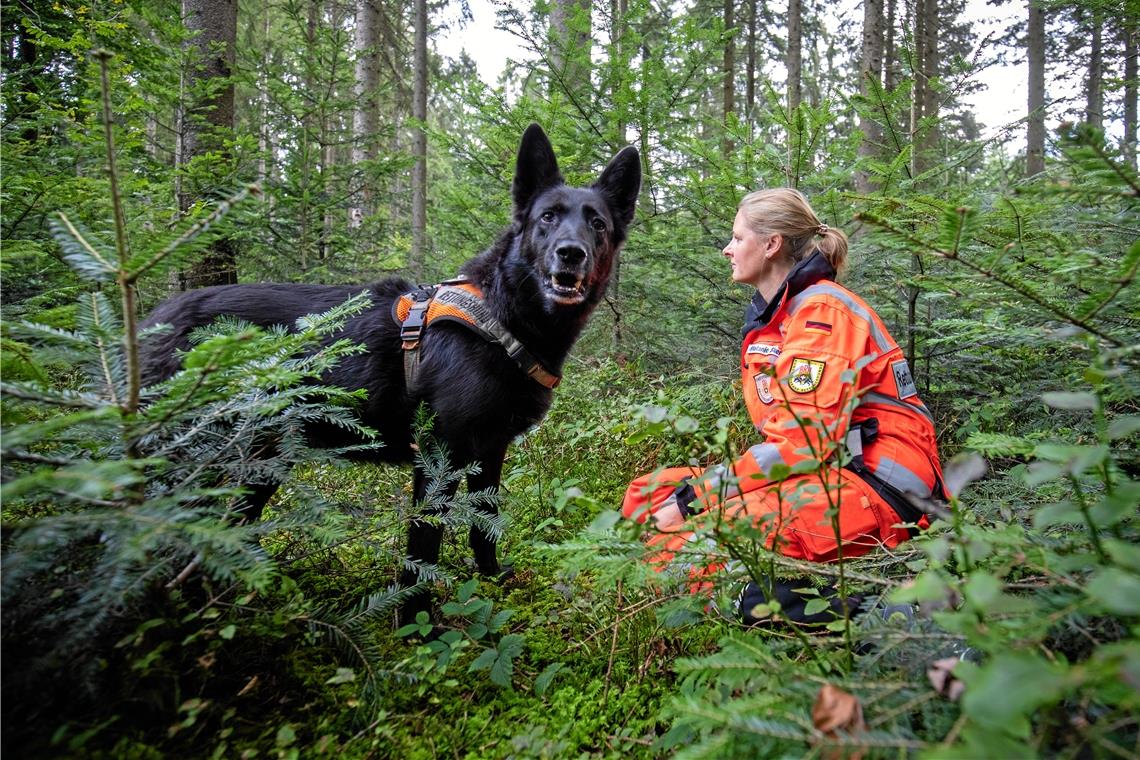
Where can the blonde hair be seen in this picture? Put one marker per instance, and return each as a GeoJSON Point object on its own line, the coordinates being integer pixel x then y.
{"type": "Point", "coordinates": [786, 212]}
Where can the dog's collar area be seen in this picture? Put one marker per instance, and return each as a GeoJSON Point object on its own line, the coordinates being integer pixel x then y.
{"type": "Point", "coordinates": [459, 301]}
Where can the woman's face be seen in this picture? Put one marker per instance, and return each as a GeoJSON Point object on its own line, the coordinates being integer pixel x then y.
{"type": "Point", "coordinates": [748, 253]}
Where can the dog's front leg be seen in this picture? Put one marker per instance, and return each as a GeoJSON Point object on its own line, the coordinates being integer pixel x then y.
{"type": "Point", "coordinates": [482, 544]}
{"type": "Point", "coordinates": [424, 538]}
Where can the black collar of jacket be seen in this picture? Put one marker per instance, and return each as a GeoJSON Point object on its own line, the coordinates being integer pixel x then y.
{"type": "Point", "coordinates": [807, 272]}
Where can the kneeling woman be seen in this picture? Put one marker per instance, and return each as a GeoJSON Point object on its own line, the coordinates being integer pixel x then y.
{"type": "Point", "coordinates": [821, 373]}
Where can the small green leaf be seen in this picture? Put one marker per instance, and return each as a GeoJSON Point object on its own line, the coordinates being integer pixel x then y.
{"type": "Point", "coordinates": [485, 660]}
{"type": "Point", "coordinates": [228, 632]}
{"type": "Point", "coordinates": [991, 698]}
{"type": "Point", "coordinates": [286, 735]}
{"type": "Point", "coordinates": [816, 606]}
{"type": "Point", "coordinates": [1069, 400]}
{"type": "Point", "coordinates": [542, 683]}
{"type": "Point", "coordinates": [686, 424]}
{"type": "Point", "coordinates": [343, 675]}
{"type": "Point", "coordinates": [467, 590]}
{"type": "Point", "coordinates": [1122, 427]}
{"type": "Point", "coordinates": [499, 620]}
{"type": "Point", "coordinates": [1118, 591]}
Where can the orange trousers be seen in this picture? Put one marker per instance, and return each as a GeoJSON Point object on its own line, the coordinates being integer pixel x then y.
{"type": "Point", "coordinates": [792, 515]}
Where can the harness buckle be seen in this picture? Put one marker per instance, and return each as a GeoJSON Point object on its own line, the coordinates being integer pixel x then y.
{"type": "Point", "coordinates": [413, 327]}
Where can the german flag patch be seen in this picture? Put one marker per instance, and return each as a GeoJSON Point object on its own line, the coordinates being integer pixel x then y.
{"type": "Point", "coordinates": [817, 327]}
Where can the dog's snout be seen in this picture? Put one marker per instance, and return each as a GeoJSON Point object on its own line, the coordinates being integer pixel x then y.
{"type": "Point", "coordinates": [571, 255]}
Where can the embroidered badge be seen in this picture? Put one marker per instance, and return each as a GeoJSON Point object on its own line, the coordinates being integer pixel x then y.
{"type": "Point", "coordinates": [817, 327]}
{"type": "Point", "coordinates": [805, 375]}
{"type": "Point", "coordinates": [763, 349]}
{"type": "Point", "coordinates": [904, 381]}
{"type": "Point", "coordinates": [764, 388]}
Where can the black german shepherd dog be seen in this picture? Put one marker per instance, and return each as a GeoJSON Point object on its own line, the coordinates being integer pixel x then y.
{"type": "Point", "coordinates": [541, 280]}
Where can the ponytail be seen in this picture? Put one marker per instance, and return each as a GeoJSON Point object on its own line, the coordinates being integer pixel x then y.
{"type": "Point", "coordinates": [832, 243]}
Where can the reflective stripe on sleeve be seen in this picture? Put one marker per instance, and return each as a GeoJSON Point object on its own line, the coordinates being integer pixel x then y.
{"type": "Point", "coordinates": [714, 481]}
{"type": "Point", "coordinates": [878, 398]}
{"type": "Point", "coordinates": [767, 455]}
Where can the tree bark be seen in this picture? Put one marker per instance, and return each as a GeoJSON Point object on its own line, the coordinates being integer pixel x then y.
{"type": "Point", "coordinates": [931, 68]}
{"type": "Point", "coordinates": [207, 118]}
{"type": "Point", "coordinates": [890, 54]}
{"type": "Point", "coordinates": [1094, 82]}
{"type": "Point", "coordinates": [728, 69]}
{"type": "Point", "coordinates": [795, 60]}
{"type": "Point", "coordinates": [870, 80]}
{"type": "Point", "coordinates": [1131, 34]}
{"type": "Point", "coordinates": [1035, 122]}
{"type": "Point", "coordinates": [309, 126]}
{"type": "Point", "coordinates": [366, 116]}
{"type": "Point", "coordinates": [795, 92]}
{"type": "Point", "coordinates": [918, 91]}
{"type": "Point", "coordinates": [570, 48]}
{"type": "Point", "coordinates": [750, 68]}
{"type": "Point", "coordinates": [618, 10]}
{"type": "Point", "coordinates": [264, 143]}
{"type": "Point", "coordinates": [419, 141]}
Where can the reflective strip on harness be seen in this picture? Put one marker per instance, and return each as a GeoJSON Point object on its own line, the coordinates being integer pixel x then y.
{"type": "Point", "coordinates": [461, 302]}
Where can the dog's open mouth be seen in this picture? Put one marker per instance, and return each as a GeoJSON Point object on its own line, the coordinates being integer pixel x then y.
{"type": "Point", "coordinates": [566, 288]}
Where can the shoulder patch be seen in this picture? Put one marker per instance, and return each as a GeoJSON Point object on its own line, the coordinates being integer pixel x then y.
{"type": "Point", "coordinates": [805, 375]}
{"type": "Point", "coordinates": [764, 387]}
{"type": "Point", "coordinates": [904, 381]}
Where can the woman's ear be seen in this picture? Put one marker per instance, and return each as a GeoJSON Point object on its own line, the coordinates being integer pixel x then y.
{"type": "Point", "coordinates": [775, 243]}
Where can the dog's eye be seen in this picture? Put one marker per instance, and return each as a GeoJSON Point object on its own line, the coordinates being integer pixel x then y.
{"type": "Point", "coordinates": [598, 224]}
{"type": "Point", "coordinates": [548, 216]}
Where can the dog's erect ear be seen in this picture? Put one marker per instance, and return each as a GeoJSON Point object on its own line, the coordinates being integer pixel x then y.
{"type": "Point", "coordinates": [621, 182]}
{"type": "Point", "coordinates": [536, 168]}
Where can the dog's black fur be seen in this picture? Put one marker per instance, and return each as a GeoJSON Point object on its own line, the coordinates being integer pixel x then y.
{"type": "Point", "coordinates": [541, 279]}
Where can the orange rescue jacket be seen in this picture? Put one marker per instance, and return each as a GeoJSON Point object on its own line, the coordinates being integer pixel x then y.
{"type": "Point", "coordinates": [816, 361]}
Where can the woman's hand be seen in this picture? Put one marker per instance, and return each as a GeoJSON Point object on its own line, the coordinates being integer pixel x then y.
{"type": "Point", "coordinates": [668, 516]}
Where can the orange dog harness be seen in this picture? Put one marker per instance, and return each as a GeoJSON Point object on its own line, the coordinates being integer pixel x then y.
{"type": "Point", "coordinates": [459, 301]}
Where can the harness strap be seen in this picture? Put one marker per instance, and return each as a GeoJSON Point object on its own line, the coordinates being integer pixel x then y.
{"type": "Point", "coordinates": [459, 301]}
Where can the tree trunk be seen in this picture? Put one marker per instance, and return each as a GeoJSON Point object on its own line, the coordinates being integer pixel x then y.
{"type": "Point", "coordinates": [1131, 34]}
{"type": "Point", "coordinates": [795, 71]}
{"type": "Point", "coordinates": [931, 65]}
{"type": "Point", "coordinates": [795, 61]}
{"type": "Point", "coordinates": [728, 69]}
{"type": "Point", "coordinates": [419, 141]}
{"type": "Point", "coordinates": [890, 54]}
{"type": "Point", "coordinates": [918, 91]}
{"type": "Point", "coordinates": [570, 49]}
{"type": "Point", "coordinates": [308, 134]}
{"type": "Point", "coordinates": [618, 10]}
{"type": "Point", "coordinates": [1094, 90]}
{"type": "Point", "coordinates": [870, 81]}
{"type": "Point", "coordinates": [264, 144]}
{"type": "Point", "coordinates": [750, 69]}
{"type": "Point", "coordinates": [207, 118]}
{"type": "Point", "coordinates": [1035, 123]}
{"type": "Point", "coordinates": [366, 116]}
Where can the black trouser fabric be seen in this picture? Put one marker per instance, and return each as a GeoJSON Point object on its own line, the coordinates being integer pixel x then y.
{"type": "Point", "coordinates": [793, 603]}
